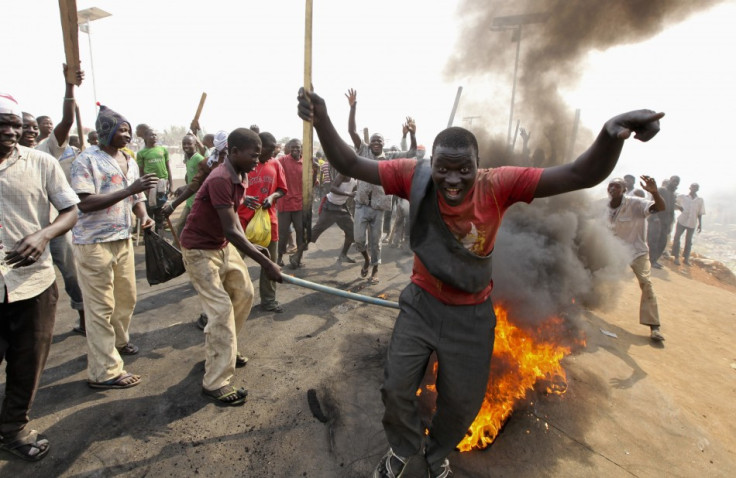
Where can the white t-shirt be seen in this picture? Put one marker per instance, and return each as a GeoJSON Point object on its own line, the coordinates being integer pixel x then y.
{"type": "Point", "coordinates": [346, 187]}
{"type": "Point", "coordinates": [691, 209]}
{"type": "Point", "coordinates": [628, 223]}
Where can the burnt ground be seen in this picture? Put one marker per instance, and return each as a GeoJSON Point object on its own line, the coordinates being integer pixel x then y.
{"type": "Point", "coordinates": [631, 409]}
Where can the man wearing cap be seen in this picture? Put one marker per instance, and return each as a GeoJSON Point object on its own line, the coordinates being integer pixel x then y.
{"type": "Point", "coordinates": [627, 220]}
{"type": "Point", "coordinates": [31, 181]}
{"type": "Point", "coordinates": [109, 188]}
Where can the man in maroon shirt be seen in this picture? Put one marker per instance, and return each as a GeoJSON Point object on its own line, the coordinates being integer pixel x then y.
{"type": "Point", "coordinates": [447, 309]}
{"type": "Point", "coordinates": [210, 243]}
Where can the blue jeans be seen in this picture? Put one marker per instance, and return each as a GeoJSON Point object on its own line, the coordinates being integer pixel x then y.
{"type": "Point", "coordinates": [368, 222]}
{"type": "Point", "coordinates": [63, 256]}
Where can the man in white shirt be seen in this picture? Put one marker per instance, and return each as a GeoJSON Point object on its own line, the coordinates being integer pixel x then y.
{"type": "Point", "coordinates": [627, 220]}
{"type": "Point", "coordinates": [693, 208]}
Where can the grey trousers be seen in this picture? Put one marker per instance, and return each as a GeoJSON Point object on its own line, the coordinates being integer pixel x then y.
{"type": "Point", "coordinates": [267, 288]}
{"type": "Point", "coordinates": [463, 338]}
{"type": "Point", "coordinates": [62, 254]}
{"type": "Point", "coordinates": [334, 214]}
{"type": "Point", "coordinates": [368, 223]}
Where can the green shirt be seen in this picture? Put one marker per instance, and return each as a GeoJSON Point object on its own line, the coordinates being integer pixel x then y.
{"type": "Point", "coordinates": [192, 166]}
{"type": "Point", "coordinates": [154, 160]}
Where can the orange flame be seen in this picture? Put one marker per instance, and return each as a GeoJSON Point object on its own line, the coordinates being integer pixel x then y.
{"type": "Point", "coordinates": [520, 359]}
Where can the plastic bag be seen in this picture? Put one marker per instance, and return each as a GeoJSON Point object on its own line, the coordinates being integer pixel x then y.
{"type": "Point", "coordinates": [258, 230]}
{"type": "Point", "coordinates": [163, 261]}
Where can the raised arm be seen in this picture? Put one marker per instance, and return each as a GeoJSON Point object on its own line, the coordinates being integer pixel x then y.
{"type": "Point", "coordinates": [61, 131]}
{"type": "Point", "coordinates": [411, 127]}
{"type": "Point", "coordinates": [342, 156]}
{"type": "Point", "coordinates": [97, 202]}
{"type": "Point", "coordinates": [352, 97]}
{"type": "Point", "coordinates": [649, 185]}
{"type": "Point", "coordinates": [597, 162]}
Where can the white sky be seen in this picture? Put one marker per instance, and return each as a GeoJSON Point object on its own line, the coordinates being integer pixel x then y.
{"type": "Point", "coordinates": [153, 59]}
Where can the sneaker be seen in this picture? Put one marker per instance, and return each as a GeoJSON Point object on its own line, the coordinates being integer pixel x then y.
{"type": "Point", "coordinates": [656, 265]}
{"type": "Point", "coordinates": [677, 262]}
{"type": "Point", "coordinates": [390, 466]}
{"type": "Point", "coordinates": [202, 321]}
{"type": "Point", "coordinates": [656, 335]}
{"type": "Point", "coordinates": [443, 471]}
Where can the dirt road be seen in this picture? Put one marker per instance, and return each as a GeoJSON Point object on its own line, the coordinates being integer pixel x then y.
{"type": "Point", "coordinates": [632, 408]}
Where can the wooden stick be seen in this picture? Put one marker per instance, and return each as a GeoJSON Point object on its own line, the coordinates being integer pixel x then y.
{"type": "Point", "coordinates": [201, 105]}
{"type": "Point", "coordinates": [173, 232]}
{"type": "Point", "coordinates": [307, 127]}
{"type": "Point", "coordinates": [70, 32]}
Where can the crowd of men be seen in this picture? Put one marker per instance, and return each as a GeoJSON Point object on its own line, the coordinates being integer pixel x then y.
{"type": "Point", "coordinates": [446, 208]}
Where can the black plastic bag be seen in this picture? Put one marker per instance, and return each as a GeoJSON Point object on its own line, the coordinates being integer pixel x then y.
{"type": "Point", "coordinates": [163, 261]}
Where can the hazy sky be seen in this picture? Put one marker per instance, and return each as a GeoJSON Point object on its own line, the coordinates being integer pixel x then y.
{"type": "Point", "coordinates": [153, 59]}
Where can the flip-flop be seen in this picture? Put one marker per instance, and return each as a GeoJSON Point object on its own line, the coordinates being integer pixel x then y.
{"type": "Point", "coordinates": [128, 349]}
{"type": "Point", "coordinates": [23, 447]}
{"type": "Point", "coordinates": [241, 360]}
{"type": "Point", "coordinates": [124, 380]}
{"type": "Point", "coordinates": [227, 395]}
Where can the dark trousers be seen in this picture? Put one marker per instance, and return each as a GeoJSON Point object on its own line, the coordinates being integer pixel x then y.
{"type": "Point", "coordinates": [658, 233]}
{"type": "Point", "coordinates": [26, 329]}
{"type": "Point", "coordinates": [286, 219]}
{"type": "Point", "coordinates": [689, 231]}
{"type": "Point", "coordinates": [331, 214]}
{"type": "Point", "coordinates": [266, 287]}
{"type": "Point", "coordinates": [463, 338]}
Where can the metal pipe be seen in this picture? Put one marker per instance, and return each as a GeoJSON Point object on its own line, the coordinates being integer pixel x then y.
{"type": "Point", "coordinates": [341, 293]}
{"type": "Point", "coordinates": [454, 106]}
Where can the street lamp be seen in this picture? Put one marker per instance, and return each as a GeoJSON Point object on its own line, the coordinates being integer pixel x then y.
{"type": "Point", "coordinates": [514, 23]}
{"type": "Point", "coordinates": [83, 18]}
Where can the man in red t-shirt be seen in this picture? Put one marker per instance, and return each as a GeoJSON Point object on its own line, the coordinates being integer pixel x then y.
{"type": "Point", "coordinates": [449, 310]}
{"type": "Point", "coordinates": [210, 243]}
{"type": "Point", "coordinates": [290, 207]}
{"type": "Point", "coordinates": [266, 184]}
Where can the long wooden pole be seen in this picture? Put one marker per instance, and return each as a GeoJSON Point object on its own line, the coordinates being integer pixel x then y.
{"type": "Point", "coordinates": [199, 108]}
{"type": "Point", "coordinates": [307, 127]}
{"type": "Point", "coordinates": [70, 33]}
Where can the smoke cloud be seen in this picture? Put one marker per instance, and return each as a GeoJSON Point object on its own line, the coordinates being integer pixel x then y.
{"type": "Point", "coordinates": [557, 249]}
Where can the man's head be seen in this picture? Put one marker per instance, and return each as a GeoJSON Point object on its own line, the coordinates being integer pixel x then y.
{"type": "Point", "coordinates": [188, 145]}
{"type": "Point", "coordinates": [454, 164]}
{"type": "Point", "coordinates": [92, 138]}
{"type": "Point", "coordinates": [30, 131]}
{"type": "Point", "coordinates": [209, 141]}
{"type": "Point", "coordinates": [268, 146]}
{"type": "Point", "coordinates": [673, 183]}
{"type": "Point", "coordinates": [113, 129]}
{"type": "Point", "coordinates": [11, 124]}
{"type": "Point", "coordinates": [74, 141]}
{"type": "Point", "coordinates": [421, 151]}
{"type": "Point", "coordinates": [141, 130]}
{"type": "Point", "coordinates": [150, 138]}
{"type": "Point", "coordinates": [616, 188]}
{"type": "Point", "coordinates": [244, 148]}
{"type": "Point", "coordinates": [294, 148]}
{"type": "Point", "coordinates": [694, 188]}
{"type": "Point", "coordinates": [45, 125]}
{"type": "Point", "coordinates": [630, 182]}
{"type": "Point", "coordinates": [376, 144]}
